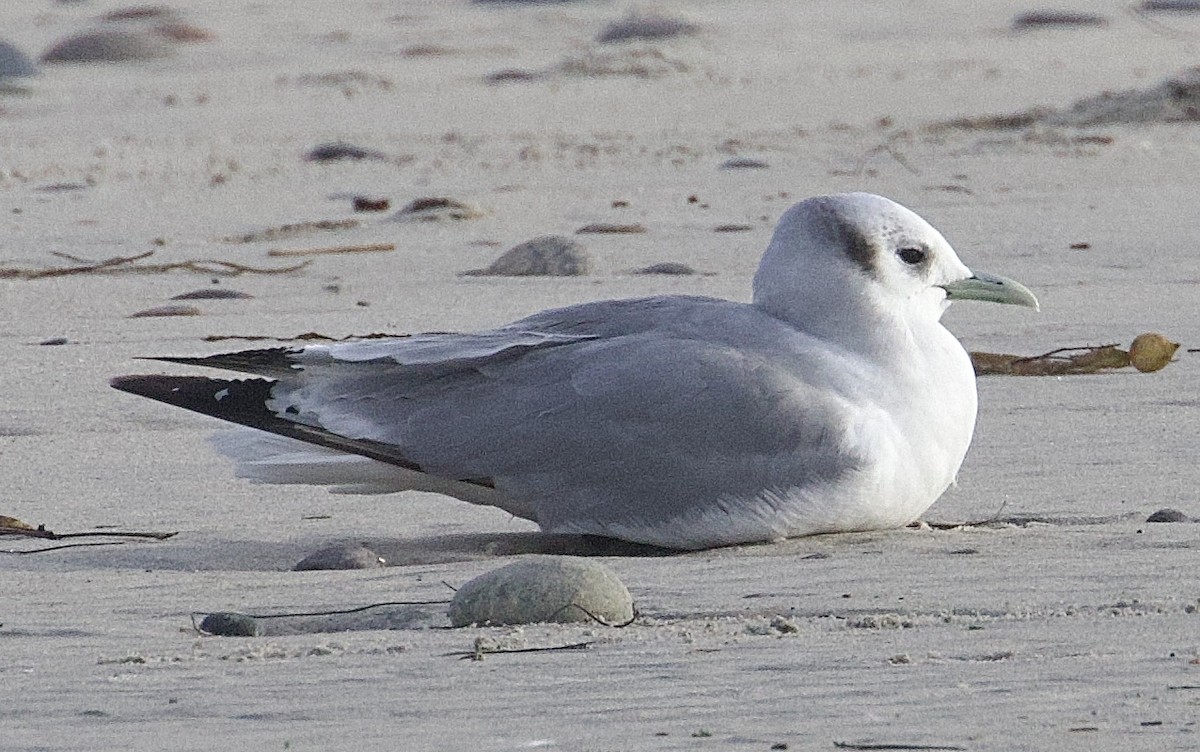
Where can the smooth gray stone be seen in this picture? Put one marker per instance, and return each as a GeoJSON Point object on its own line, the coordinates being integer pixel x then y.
{"type": "Point", "coordinates": [543, 589]}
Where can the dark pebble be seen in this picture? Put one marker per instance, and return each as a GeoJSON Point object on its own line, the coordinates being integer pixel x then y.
{"type": "Point", "coordinates": [141, 13]}
{"type": "Point", "coordinates": [1186, 6]}
{"type": "Point", "coordinates": [367, 204]}
{"type": "Point", "coordinates": [335, 151]}
{"type": "Point", "coordinates": [545, 256]}
{"type": "Point", "coordinates": [1168, 515]}
{"type": "Point", "coordinates": [166, 310]}
{"type": "Point", "coordinates": [224, 624]}
{"type": "Point", "coordinates": [109, 46]}
{"type": "Point", "coordinates": [511, 75]}
{"type": "Point", "coordinates": [608, 228]}
{"type": "Point", "coordinates": [342, 556]}
{"type": "Point", "coordinates": [436, 209]}
{"type": "Point", "coordinates": [62, 187]}
{"type": "Point", "coordinates": [744, 163]}
{"type": "Point", "coordinates": [13, 62]}
{"type": "Point", "coordinates": [635, 27]}
{"type": "Point", "coordinates": [213, 293]}
{"type": "Point", "coordinates": [733, 228]}
{"type": "Point", "coordinates": [54, 341]}
{"type": "Point", "coordinates": [675, 268]}
{"type": "Point", "coordinates": [523, 2]}
{"type": "Point", "coordinates": [1041, 18]}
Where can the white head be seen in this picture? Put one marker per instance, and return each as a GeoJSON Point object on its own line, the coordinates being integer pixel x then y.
{"type": "Point", "coordinates": [857, 260]}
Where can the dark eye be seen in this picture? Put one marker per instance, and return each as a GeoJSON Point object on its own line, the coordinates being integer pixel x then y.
{"type": "Point", "coordinates": [911, 255]}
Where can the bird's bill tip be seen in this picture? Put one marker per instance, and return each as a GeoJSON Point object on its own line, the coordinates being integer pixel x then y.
{"type": "Point", "coordinates": [991, 288]}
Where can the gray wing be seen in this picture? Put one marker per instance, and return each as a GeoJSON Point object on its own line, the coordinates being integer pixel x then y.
{"type": "Point", "coordinates": [624, 414]}
{"type": "Point", "coordinates": [642, 416]}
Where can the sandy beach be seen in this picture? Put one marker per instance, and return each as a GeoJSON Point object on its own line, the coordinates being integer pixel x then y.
{"type": "Point", "coordinates": [1039, 611]}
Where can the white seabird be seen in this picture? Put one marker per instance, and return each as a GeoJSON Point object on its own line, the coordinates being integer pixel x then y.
{"type": "Point", "coordinates": [834, 401]}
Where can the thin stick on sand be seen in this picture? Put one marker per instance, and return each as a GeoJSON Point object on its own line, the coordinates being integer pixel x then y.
{"type": "Point", "coordinates": [368, 248]}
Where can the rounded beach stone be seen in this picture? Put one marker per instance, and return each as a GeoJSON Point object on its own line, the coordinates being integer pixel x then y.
{"type": "Point", "coordinates": [543, 589]}
{"type": "Point", "coordinates": [546, 256]}
{"type": "Point", "coordinates": [642, 27]}
{"type": "Point", "coordinates": [225, 624]}
{"type": "Point", "coordinates": [14, 63]}
{"type": "Point", "coordinates": [341, 556]}
{"type": "Point", "coordinates": [337, 150]}
{"type": "Point", "coordinates": [670, 268]}
{"type": "Point", "coordinates": [109, 46]}
{"type": "Point", "coordinates": [437, 209]}
{"type": "Point", "coordinates": [1168, 515]}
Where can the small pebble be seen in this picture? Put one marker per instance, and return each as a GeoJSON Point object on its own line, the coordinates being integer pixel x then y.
{"type": "Point", "coordinates": [545, 256]}
{"type": "Point", "coordinates": [224, 624]}
{"type": "Point", "coordinates": [1186, 6]}
{"type": "Point", "coordinates": [213, 293]}
{"type": "Point", "coordinates": [14, 62]}
{"type": "Point", "coordinates": [675, 268]}
{"type": "Point", "coordinates": [511, 75]}
{"type": "Point", "coordinates": [109, 46]}
{"type": "Point", "coordinates": [1043, 18]}
{"type": "Point", "coordinates": [335, 151]}
{"type": "Point", "coordinates": [543, 589]}
{"type": "Point", "coordinates": [342, 556]}
{"type": "Point", "coordinates": [608, 228]}
{"type": "Point", "coordinates": [437, 209]}
{"type": "Point", "coordinates": [141, 13]}
{"type": "Point", "coordinates": [166, 310]}
{"type": "Point", "coordinates": [177, 31]}
{"type": "Point", "coordinates": [1168, 515]}
{"type": "Point", "coordinates": [367, 204]}
{"type": "Point", "coordinates": [62, 187]}
{"type": "Point", "coordinates": [733, 228]}
{"type": "Point", "coordinates": [744, 163]}
{"type": "Point", "coordinates": [522, 2]}
{"type": "Point", "coordinates": [651, 26]}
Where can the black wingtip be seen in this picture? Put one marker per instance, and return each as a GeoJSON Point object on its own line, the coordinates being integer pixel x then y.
{"type": "Point", "coordinates": [274, 361]}
{"type": "Point", "coordinates": [236, 400]}
{"type": "Point", "coordinates": [244, 401]}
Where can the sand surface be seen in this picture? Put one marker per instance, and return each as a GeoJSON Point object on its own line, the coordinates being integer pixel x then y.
{"type": "Point", "coordinates": [1066, 623]}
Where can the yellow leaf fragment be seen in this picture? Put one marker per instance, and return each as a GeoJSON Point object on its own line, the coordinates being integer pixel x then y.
{"type": "Point", "coordinates": [13, 523]}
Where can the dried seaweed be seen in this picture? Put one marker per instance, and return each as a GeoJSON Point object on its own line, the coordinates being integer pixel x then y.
{"type": "Point", "coordinates": [131, 265]}
{"type": "Point", "coordinates": [1149, 352]}
{"type": "Point", "coordinates": [12, 526]}
{"type": "Point", "coordinates": [293, 230]}
{"type": "Point", "coordinates": [305, 337]}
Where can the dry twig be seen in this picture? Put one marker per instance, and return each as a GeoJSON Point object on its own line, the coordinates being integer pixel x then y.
{"type": "Point", "coordinates": [367, 248]}
{"type": "Point", "coordinates": [887, 746]}
{"type": "Point", "coordinates": [481, 649]}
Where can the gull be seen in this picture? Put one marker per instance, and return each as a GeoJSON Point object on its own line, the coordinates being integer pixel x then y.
{"type": "Point", "coordinates": [834, 401]}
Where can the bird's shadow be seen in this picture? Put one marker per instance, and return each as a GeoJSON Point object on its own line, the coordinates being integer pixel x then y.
{"type": "Point", "coordinates": [207, 552]}
{"type": "Point", "coordinates": [476, 546]}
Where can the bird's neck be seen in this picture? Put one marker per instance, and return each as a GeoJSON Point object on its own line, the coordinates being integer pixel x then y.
{"type": "Point", "coordinates": [859, 323]}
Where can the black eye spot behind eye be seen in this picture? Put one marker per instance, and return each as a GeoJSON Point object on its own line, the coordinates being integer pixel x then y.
{"type": "Point", "coordinates": [912, 256]}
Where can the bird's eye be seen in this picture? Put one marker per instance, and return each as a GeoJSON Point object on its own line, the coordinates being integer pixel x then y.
{"type": "Point", "coordinates": [911, 256]}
